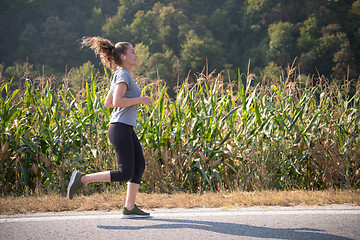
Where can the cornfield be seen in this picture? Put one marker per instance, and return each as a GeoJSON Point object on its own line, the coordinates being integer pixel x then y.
{"type": "Point", "coordinates": [214, 135]}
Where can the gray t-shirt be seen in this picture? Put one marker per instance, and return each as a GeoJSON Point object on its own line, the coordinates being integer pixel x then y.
{"type": "Point", "coordinates": [125, 115]}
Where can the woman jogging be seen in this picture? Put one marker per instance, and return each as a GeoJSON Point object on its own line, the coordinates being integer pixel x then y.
{"type": "Point", "coordinates": [124, 97]}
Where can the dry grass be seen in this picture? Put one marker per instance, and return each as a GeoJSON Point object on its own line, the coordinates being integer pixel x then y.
{"type": "Point", "coordinates": [115, 201]}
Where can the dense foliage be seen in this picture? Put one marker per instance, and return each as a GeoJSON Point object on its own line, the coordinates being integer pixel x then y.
{"type": "Point", "coordinates": [173, 37]}
{"type": "Point", "coordinates": [266, 129]}
{"type": "Point", "coordinates": [216, 134]}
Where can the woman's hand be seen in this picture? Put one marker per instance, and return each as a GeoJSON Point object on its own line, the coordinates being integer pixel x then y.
{"type": "Point", "coordinates": [119, 99]}
{"type": "Point", "coordinates": [145, 101]}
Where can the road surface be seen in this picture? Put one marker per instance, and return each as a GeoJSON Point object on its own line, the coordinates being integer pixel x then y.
{"type": "Point", "coordinates": [327, 222]}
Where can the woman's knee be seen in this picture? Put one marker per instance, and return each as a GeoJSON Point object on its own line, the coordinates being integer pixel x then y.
{"type": "Point", "coordinates": [139, 170]}
{"type": "Point", "coordinates": [121, 176]}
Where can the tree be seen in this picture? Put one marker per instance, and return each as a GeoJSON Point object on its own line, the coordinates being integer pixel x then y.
{"type": "Point", "coordinates": [271, 73]}
{"type": "Point", "coordinates": [143, 29]}
{"type": "Point", "coordinates": [162, 65]}
{"type": "Point", "coordinates": [227, 33]}
{"type": "Point", "coordinates": [354, 17]}
{"type": "Point", "coordinates": [159, 28]}
{"type": "Point", "coordinates": [256, 6]}
{"type": "Point", "coordinates": [29, 43]}
{"type": "Point", "coordinates": [309, 34]}
{"type": "Point", "coordinates": [142, 68]}
{"type": "Point", "coordinates": [353, 26]}
{"type": "Point", "coordinates": [306, 62]}
{"type": "Point", "coordinates": [115, 26]}
{"type": "Point", "coordinates": [158, 65]}
{"type": "Point", "coordinates": [196, 50]}
{"type": "Point", "coordinates": [58, 43]}
{"type": "Point", "coordinates": [329, 44]}
{"type": "Point", "coordinates": [344, 62]}
{"type": "Point", "coordinates": [94, 24]}
{"type": "Point", "coordinates": [219, 23]}
{"type": "Point", "coordinates": [281, 42]}
{"type": "Point", "coordinates": [171, 25]}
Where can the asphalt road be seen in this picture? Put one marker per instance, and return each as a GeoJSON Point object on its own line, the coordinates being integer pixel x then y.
{"type": "Point", "coordinates": [328, 222]}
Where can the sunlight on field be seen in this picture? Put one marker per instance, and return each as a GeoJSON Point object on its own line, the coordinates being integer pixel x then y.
{"type": "Point", "coordinates": [215, 135]}
{"type": "Point", "coordinates": [114, 201]}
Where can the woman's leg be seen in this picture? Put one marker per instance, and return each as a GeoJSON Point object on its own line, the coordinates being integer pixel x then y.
{"type": "Point", "coordinates": [132, 189]}
{"type": "Point", "coordinates": [96, 177]}
{"type": "Point", "coordinates": [120, 136]}
{"type": "Point", "coordinates": [131, 210]}
{"type": "Point", "coordinates": [134, 183]}
{"type": "Point", "coordinates": [139, 160]}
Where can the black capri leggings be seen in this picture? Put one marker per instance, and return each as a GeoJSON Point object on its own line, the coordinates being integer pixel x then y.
{"type": "Point", "coordinates": [128, 152]}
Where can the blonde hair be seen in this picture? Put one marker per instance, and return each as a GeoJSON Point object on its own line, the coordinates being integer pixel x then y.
{"type": "Point", "coordinates": [108, 52]}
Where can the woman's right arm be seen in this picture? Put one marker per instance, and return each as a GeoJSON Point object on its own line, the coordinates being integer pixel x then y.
{"type": "Point", "coordinates": [119, 99]}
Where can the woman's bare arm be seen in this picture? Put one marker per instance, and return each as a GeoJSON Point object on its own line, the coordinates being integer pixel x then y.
{"type": "Point", "coordinates": [119, 99]}
{"type": "Point", "coordinates": [109, 100]}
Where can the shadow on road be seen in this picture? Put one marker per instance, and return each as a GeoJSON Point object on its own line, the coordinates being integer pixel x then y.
{"type": "Point", "coordinates": [233, 229]}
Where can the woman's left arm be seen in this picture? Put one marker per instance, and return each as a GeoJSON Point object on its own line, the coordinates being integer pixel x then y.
{"type": "Point", "coordinates": [109, 100]}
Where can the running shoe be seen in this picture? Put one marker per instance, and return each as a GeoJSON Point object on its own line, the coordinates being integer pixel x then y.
{"type": "Point", "coordinates": [135, 212]}
{"type": "Point", "coordinates": [74, 184]}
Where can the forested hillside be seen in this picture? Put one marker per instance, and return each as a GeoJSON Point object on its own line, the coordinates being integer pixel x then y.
{"type": "Point", "coordinates": [212, 134]}
{"type": "Point", "coordinates": [172, 37]}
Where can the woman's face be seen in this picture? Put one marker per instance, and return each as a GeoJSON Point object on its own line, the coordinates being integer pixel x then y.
{"type": "Point", "coordinates": [130, 57]}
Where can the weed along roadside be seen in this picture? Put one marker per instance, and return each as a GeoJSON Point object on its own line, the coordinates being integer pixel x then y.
{"type": "Point", "coordinates": [216, 135]}
{"type": "Point", "coordinates": [238, 199]}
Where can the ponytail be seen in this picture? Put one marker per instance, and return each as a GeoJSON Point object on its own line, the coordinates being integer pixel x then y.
{"type": "Point", "coordinates": [108, 52]}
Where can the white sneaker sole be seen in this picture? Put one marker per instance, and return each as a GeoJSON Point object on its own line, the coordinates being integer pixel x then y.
{"type": "Point", "coordinates": [72, 179]}
{"type": "Point", "coordinates": [134, 216]}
